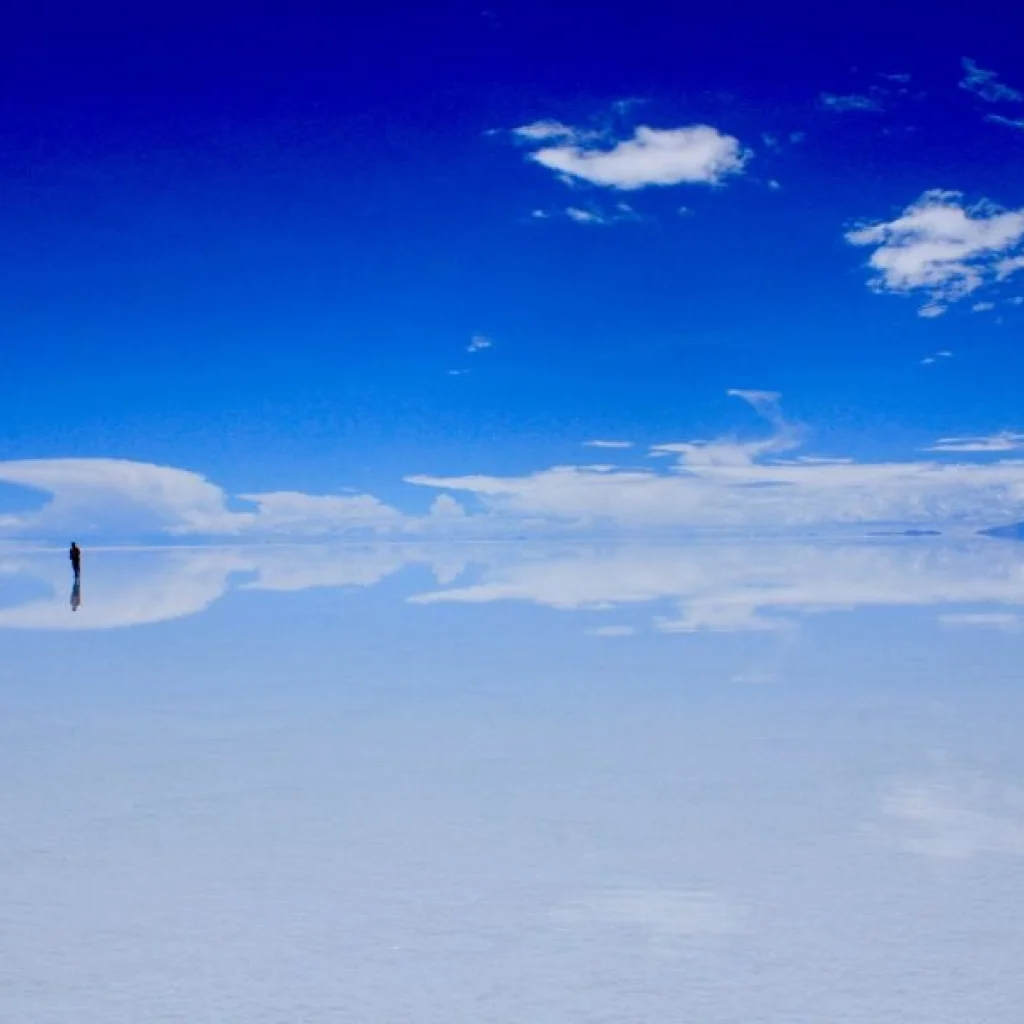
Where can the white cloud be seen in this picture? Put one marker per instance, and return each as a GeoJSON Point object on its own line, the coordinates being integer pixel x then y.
{"type": "Point", "coordinates": [582, 216]}
{"type": "Point", "coordinates": [114, 497]}
{"type": "Point", "coordinates": [593, 214]}
{"type": "Point", "coordinates": [695, 154]}
{"type": "Point", "coordinates": [956, 818]}
{"type": "Point", "coordinates": [733, 484]}
{"type": "Point", "coordinates": [1005, 621]}
{"type": "Point", "coordinates": [982, 307]}
{"type": "Point", "coordinates": [547, 131]}
{"type": "Point", "coordinates": [121, 494]}
{"type": "Point", "coordinates": [293, 513]}
{"type": "Point", "coordinates": [611, 631]}
{"type": "Point", "coordinates": [722, 485]}
{"type": "Point", "coordinates": [1004, 441]}
{"type": "Point", "coordinates": [986, 84]}
{"type": "Point", "coordinates": [1008, 121]}
{"type": "Point", "coordinates": [478, 343]}
{"type": "Point", "coordinates": [668, 912]}
{"type": "Point", "coordinates": [732, 453]}
{"type": "Point", "coordinates": [717, 484]}
{"type": "Point", "coordinates": [608, 444]}
{"type": "Point", "coordinates": [1008, 266]}
{"type": "Point", "coordinates": [853, 101]}
{"type": "Point", "coordinates": [942, 249]}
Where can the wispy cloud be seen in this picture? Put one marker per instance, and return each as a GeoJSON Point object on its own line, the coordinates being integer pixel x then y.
{"type": "Point", "coordinates": [675, 913]}
{"type": "Point", "coordinates": [1007, 622]}
{"type": "Point", "coordinates": [479, 343]}
{"type": "Point", "coordinates": [594, 215]}
{"type": "Point", "coordinates": [851, 101]}
{"type": "Point", "coordinates": [581, 216]}
{"type": "Point", "coordinates": [955, 817]}
{"type": "Point", "coordinates": [652, 157]}
{"type": "Point", "coordinates": [1004, 441]}
{"type": "Point", "coordinates": [942, 248]}
{"type": "Point", "coordinates": [552, 131]}
{"type": "Point", "coordinates": [986, 84]}
{"type": "Point", "coordinates": [608, 444]}
{"type": "Point", "coordinates": [612, 631]}
{"type": "Point", "coordinates": [1010, 122]}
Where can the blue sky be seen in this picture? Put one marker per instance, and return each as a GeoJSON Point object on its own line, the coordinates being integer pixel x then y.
{"type": "Point", "coordinates": [258, 250]}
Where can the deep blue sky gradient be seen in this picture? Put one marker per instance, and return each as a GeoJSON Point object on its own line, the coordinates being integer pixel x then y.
{"type": "Point", "coordinates": [255, 245]}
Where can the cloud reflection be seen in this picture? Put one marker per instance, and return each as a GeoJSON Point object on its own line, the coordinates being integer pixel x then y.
{"type": "Point", "coordinates": [713, 586]}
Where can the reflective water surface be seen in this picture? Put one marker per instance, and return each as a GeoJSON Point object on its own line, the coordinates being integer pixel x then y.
{"type": "Point", "coordinates": [769, 780]}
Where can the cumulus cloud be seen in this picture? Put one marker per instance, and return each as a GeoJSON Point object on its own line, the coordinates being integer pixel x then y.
{"type": "Point", "coordinates": [115, 497]}
{"type": "Point", "coordinates": [118, 494]}
{"type": "Point", "coordinates": [986, 84]}
{"type": "Point", "coordinates": [942, 249]}
{"type": "Point", "coordinates": [1004, 441]}
{"type": "Point", "coordinates": [722, 483]}
{"type": "Point", "coordinates": [674, 156]}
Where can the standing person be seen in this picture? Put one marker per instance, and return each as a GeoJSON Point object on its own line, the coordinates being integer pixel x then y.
{"type": "Point", "coordinates": [76, 559]}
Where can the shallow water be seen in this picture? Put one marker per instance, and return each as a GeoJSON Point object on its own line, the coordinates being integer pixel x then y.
{"type": "Point", "coordinates": [775, 781]}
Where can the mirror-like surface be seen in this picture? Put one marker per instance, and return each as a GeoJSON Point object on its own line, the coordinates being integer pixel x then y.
{"type": "Point", "coordinates": [769, 781]}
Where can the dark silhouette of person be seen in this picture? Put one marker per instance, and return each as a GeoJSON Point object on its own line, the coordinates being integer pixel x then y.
{"type": "Point", "coordinates": [76, 559]}
{"type": "Point", "coordinates": [76, 595]}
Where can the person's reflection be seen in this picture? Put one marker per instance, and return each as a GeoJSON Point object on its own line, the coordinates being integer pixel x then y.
{"type": "Point", "coordinates": [76, 594]}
